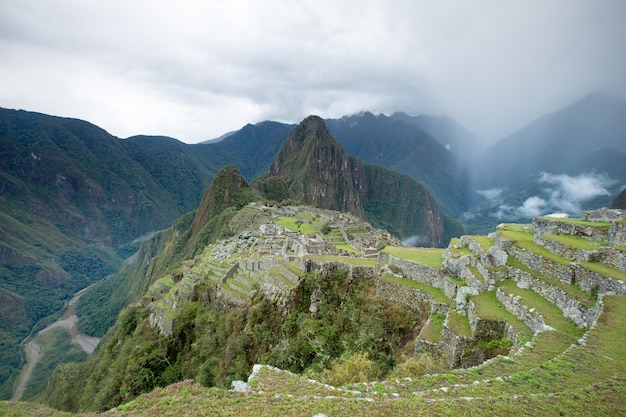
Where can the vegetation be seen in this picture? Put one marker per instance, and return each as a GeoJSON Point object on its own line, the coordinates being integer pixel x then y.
{"type": "Point", "coordinates": [426, 256]}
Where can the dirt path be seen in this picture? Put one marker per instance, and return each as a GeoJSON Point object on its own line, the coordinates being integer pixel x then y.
{"type": "Point", "coordinates": [33, 350]}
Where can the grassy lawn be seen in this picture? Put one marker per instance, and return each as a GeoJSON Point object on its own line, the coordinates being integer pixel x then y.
{"type": "Point", "coordinates": [432, 332]}
{"type": "Point", "coordinates": [347, 247]}
{"type": "Point", "coordinates": [483, 241]}
{"type": "Point", "coordinates": [275, 272]}
{"type": "Point", "coordinates": [426, 256]}
{"type": "Point", "coordinates": [344, 259]}
{"type": "Point", "coordinates": [572, 220]}
{"type": "Point", "coordinates": [551, 314]}
{"type": "Point", "coordinates": [583, 297]}
{"type": "Point", "coordinates": [408, 282]}
{"type": "Point", "coordinates": [489, 308]}
{"type": "Point", "coordinates": [294, 224]}
{"type": "Point", "coordinates": [605, 270]}
{"type": "Point", "coordinates": [459, 324]}
{"type": "Point", "coordinates": [577, 242]}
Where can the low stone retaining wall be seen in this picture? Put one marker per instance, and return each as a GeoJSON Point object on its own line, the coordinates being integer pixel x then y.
{"type": "Point", "coordinates": [530, 318]}
{"type": "Point", "coordinates": [570, 306]}
{"type": "Point", "coordinates": [588, 280]}
{"type": "Point", "coordinates": [422, 273]}
{"type": "Point", "coordinates": [544, 266]}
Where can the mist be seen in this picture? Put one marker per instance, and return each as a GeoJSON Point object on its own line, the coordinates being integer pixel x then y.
{"type": "Point", "coordinates": [559, 193]}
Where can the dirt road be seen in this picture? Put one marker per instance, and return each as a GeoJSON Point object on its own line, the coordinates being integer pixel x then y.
{"type": "Point", "coordinates": [33, 350]}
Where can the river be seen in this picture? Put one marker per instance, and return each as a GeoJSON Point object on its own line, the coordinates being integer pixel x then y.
{"type": "Point", "coordinates": [33, 350]}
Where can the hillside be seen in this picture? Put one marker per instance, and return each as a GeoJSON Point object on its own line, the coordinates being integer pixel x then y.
{"type": "Point", "coordinates": [545, 301]}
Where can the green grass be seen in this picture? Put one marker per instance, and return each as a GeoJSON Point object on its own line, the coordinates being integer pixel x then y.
{"type": "Point", "coordinates": [476, 273]}
{"type": "Point", "coordinates": [551, 314]}
{"type": "Point", "coordinates": [489, 308]}
{"type": "Point", "coordinates": [459, 324]}
{"type": "Point", "coordinates": [605, 270]}
{"type": "Point", "coordinates": [432, 331]}
{"type": "Point", "coordinates": [411, 283]}
{"type": "Point", "coordinates": [293, 224]}
{"type": "Point", "coordinates": [426, 256]}
{"type": "Point", "coordinates": [572, 220]}
{"type": "Point", "coordinates": [344, 259]}
{"type": "Point", "coordinates": [572, 290]}
{"type": "Point", "coordinates": [577, 242]}
{"type": "Point", "coordinates": [275, 272]}
{"type": "Point", "coordinates": [483, 241]}
{"type": "Point", "coordinates": [348, 248]}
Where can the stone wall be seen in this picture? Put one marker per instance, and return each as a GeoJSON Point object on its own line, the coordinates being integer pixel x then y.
{"type": "Point", "coordinates": [422, 273]}
{"type": "Point", "coordinates": [530, 318]}
{"type": "Point", "coordinates": [414, 299]}
{"type": "Point", "coordinates": [588, 280]}
{"type": "Point", "coordinates": [544, 266]}
{"type": "Point", "coordinates": [543, 226]}
{"type": "Point", "coordinates": [571, 307]}
{"type": "Point", "coordinates": [617, 234]}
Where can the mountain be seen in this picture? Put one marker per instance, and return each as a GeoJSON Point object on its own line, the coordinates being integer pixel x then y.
{"type": "Point", "coordinates": [399, 143]}
{"type": "Point", "coordinates": [573, 140]}
{"type": "Point", "coordinates": [567, 161]}
{"type": "Point", "coordinates": [619, 202]}
{"type": "Point", "coordinates": [74, 198]}
{"type": "Point", "coordinates": [316, 170]}
{"type": "Point", "coordinates": [448, 132]}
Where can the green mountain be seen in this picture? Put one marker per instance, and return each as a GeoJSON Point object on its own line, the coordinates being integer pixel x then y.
{"type": "Point", "coordinates": [74, 201]}
{"type": "Point", "coordinates": [314, 168]}
{"type": "Point", "coordinates": [400, 144]}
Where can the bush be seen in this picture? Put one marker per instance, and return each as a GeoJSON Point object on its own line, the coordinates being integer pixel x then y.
{"type": "Point", "coordinates": [351, 369]}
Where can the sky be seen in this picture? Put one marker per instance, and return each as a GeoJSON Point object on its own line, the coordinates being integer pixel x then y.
{"type": "Point", "coordinates": [194, 70]}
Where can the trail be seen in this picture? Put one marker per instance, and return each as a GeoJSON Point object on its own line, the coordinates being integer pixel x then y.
{"type": "Point", "coordinates": [33, 350]}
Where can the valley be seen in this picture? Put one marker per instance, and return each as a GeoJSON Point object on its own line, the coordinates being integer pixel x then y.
{"type": "Point", "coordinates": [34, 346]}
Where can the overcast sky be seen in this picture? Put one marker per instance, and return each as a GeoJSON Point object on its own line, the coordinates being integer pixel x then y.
{"type": "Point", "coordinates": [194, 70]}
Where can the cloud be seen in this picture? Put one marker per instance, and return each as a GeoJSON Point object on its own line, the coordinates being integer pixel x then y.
{"type": "Point", "coordinates": [491, 193]}
{"type": "Point", "coordinates": [560, 193]}
{"type": "Point", "coordinates": [194, 70]}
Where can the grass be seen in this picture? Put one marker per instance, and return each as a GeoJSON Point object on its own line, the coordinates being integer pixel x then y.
{"type": "Point", "coordinates": [605, 270]}
{"type": "Point", "coordinates": [551, 314]}
{"type": "Point", "coordinates": [432, 331]}
{"type": "Point", "coordinates": [573, 291]}
{"type": "Point", "coordinates": [489, 308]}
{"type": "Point", "coordinates": [275, 272]}
{"type": "Point", "coordinates": [586, 380]}
{"type": "Point", "coordinates": [459, 324]}
{"type": "Point", "coordinates": [483, 241]}
{"type": "Point", "coordinates": [411, 283]}
{"type": "Point", "coordinates": [294, 224]}
{"type": "Point", "coordinates": [344, 259]}
{"type": "Point", "coordinates": [426, 256]}
{"type": "Point", "coordinates": [577, 242]}
{"type": "Point", "coordinates": [348, 248]}
{"type": "Point", "coordinates": [572, 220]}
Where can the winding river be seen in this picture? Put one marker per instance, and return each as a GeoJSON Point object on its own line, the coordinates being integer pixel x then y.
{"type": "Point", "coordinates": [33, 350]}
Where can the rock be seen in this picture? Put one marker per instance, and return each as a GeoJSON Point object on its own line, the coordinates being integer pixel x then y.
{"type": "Point", "coordinates": [241, 386]}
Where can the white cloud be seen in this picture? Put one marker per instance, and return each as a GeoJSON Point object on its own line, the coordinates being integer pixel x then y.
{"type": "Point", "coordinates": [561, 193]}
{"type": "Point", "coordinates": [194, 70]}
{"type": "Point", "coordinates": [491, 193]}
